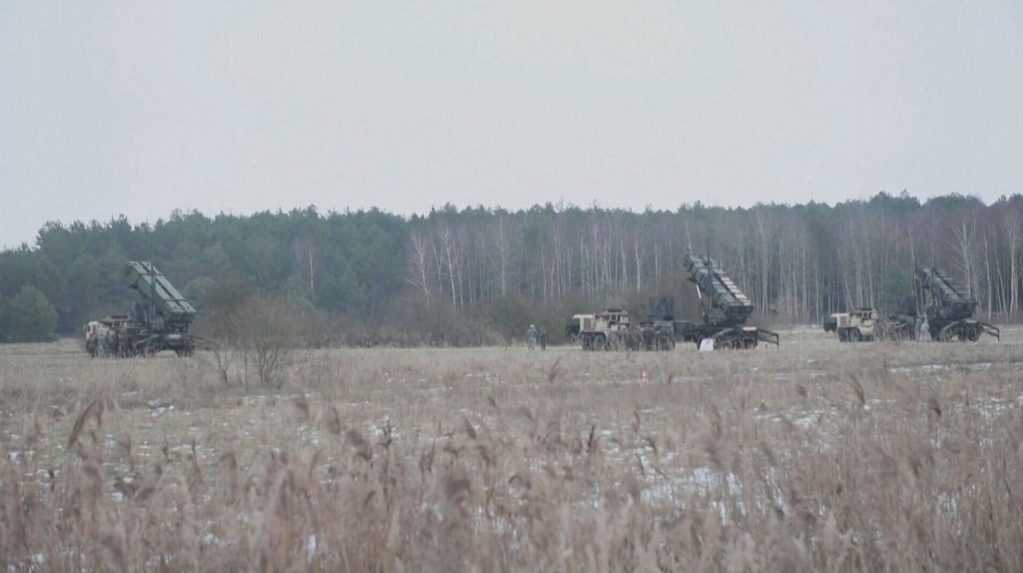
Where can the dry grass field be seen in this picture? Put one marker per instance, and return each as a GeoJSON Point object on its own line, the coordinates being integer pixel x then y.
{"type": "Point", "coordinates": [812, 457]}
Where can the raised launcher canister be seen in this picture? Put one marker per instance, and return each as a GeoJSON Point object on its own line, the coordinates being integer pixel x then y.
{"type": "Point", "coordinates": [725, 309]}
{"type": "Point", "coordinates": [160, 321]}
{"type": "Point", "coordinates": [948, 308]}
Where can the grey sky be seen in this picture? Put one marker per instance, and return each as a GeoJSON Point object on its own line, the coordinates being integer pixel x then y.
{"type": "Point", "coordinates": [143, 107]}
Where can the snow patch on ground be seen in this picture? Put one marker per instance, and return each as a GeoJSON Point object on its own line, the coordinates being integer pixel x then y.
{"type": "Point", "coordinates": [971, 367]}
{"type": "Point", "coordinates": [991, 408]}
{"type": "Point", "coordinates": [701, 479]}
{"type": "Point", "coordinates": [311, 544]}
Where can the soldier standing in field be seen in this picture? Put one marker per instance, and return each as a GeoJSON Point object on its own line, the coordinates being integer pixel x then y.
{"type": "Point", "coordinates": [531, 336]}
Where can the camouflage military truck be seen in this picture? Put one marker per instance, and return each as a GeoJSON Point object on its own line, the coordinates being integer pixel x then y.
{"type": "Point", "coordinates": [610, 329]}
{"type": "Point", "coordinates": [856, 326]}
{"type": "Point", "coordinates": [866, 324]}
{"type": "Point", "coordinates": [159, 320]}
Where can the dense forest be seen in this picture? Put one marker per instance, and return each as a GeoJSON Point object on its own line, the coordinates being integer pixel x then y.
{"type": "Point", "coordinates": [480, 275]}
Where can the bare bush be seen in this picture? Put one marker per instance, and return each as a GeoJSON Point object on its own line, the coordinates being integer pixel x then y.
{"type": "Point", "coordinates": [272, 330]}
{"type": "Point", "coordinates": [257, 338]}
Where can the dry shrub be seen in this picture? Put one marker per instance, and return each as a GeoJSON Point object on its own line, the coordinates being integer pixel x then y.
{"type": "Point", "coordinates": [257, 337]}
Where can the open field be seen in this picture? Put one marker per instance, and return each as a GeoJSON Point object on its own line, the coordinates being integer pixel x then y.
{"type": "Point", "coordinates": [813, 457]}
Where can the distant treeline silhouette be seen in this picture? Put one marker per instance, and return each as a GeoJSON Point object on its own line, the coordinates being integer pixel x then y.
{"type": "Point", "coordinates": [481, 275]}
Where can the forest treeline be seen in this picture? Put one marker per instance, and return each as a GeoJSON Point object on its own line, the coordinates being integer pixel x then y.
{"type": "Point", "coordinates": [480, 276]}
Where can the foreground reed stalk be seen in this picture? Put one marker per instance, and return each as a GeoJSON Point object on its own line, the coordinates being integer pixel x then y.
{"type": "Point", "coordinates": [813, 457]}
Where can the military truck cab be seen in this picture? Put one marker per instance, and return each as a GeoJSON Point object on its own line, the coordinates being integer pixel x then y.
{"type": "Point", "coordinates": [856, 326]}
{"type": "Point", "coordinates": [830, 324]}
{"type": "Point", "coordinates": [607, 330]}
{"type": "Point", "coordinates": [572, 328]}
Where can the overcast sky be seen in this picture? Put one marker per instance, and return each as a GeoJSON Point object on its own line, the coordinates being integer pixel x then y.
{"type": "Point", "coordinates": [144, 107]}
